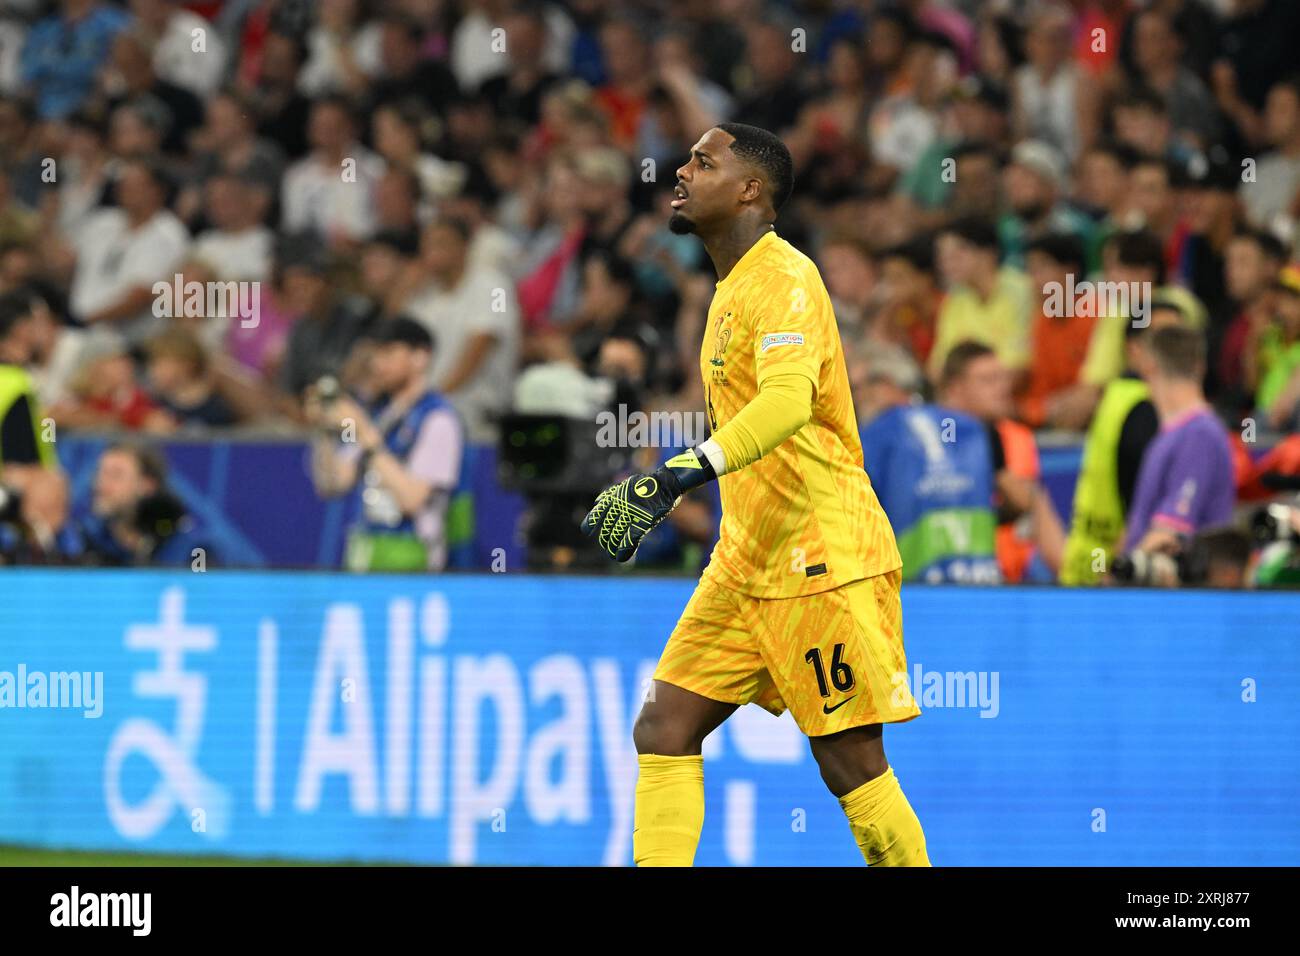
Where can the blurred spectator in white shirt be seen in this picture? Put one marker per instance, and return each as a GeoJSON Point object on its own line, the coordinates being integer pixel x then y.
{"type": "Point", "coordinates": [331, 190]}
{"type": "Point", "coordinates": [187, 49]}
{"type": "Point", "coordinates": [474, 317]}
{"type": "Point", "coordinates": [239, 246]}
{"type": "Point", "coordinates": [121, 252]}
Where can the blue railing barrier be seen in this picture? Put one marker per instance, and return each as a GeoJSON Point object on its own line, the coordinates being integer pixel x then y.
{"type": "Point", "coordinates": [486, 719]}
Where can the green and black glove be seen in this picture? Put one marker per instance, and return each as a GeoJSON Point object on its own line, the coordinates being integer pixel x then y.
{"type": "Point", "coordinates": [628, 511]}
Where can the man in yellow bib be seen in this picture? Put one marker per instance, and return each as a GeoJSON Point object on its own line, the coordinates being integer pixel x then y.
{"type": "Point", "coordinates": [799, 606]}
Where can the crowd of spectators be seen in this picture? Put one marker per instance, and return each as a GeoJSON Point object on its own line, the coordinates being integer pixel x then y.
{"type": "Point", "coordinates": [500, 172]}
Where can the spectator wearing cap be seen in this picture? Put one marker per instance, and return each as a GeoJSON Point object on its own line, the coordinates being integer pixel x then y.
{"type": "Point", "coordinates": [170, 31]}
{"type": "Point", "coordinates": [1033, 187]}
{"type": "Point", "coordinates": [123, 251]}
{"type": "Point", "coordinates": [1186, 481]}
{"type": "Point", "coordinates": [1061, 331]}
{"type": "Point", "coordinates": [331, 191]}
{"type": "Point", "coordinates": [932, 468]}
{"type": "Point", "coordinates": [1276, 355]}
{"type": "Point", "coordinates": [474, 316]}
{"type": "Point", "coordinates": [64, 52]}
{"type": "Point", "coordinates": [402, 455]}
{"type": "Point", "coordinates": [1213, 215]}
{"type": "Point", "coordinates": [985, 303]}
{"type": "Point", "coordinates": [1272, 198]}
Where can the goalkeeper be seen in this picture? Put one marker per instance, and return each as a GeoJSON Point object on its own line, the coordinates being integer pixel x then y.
{"type": "Point", "coordinates": [799, 606]}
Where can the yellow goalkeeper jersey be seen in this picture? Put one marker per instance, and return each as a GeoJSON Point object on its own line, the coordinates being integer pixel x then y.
{"type": "Point", "coordinates": [803, 518]}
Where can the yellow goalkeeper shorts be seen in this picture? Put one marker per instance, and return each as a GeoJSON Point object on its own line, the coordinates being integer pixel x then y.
{"type": "Point", "coordinates": [834, 659]}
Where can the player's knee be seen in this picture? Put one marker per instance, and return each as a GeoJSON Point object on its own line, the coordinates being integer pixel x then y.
{"type": "Point", "coordinates": [658, 733]}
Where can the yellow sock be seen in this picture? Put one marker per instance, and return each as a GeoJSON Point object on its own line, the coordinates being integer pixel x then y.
{"type": "Point", "coordinates": [669, 810]}
{"type": "Point", "coordinates": [884, 824]}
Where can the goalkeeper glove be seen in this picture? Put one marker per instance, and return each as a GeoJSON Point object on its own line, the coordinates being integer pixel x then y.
{"type": "Point", "coordinates": [628, 511]}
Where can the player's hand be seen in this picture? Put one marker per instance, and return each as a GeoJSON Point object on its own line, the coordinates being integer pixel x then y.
{"type": "Point", "coordinates": [628, 511]}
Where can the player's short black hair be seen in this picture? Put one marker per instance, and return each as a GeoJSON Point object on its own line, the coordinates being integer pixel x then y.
{"type": "Point", "coordinates": [766, 151]}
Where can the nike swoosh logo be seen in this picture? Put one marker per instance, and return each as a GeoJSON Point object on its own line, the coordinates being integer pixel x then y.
{"type": "Point", "coordinates": [831, 710]}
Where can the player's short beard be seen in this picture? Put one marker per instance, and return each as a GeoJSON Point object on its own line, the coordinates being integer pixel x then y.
{"type": "Point", "coordinates": [679, 225]}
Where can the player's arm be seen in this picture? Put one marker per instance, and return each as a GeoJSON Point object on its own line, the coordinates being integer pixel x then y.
{"type": "Point", "coordinates": [628, 511]}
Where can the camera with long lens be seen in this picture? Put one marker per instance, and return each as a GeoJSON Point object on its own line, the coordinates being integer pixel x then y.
{"type": "Point", "coordinates": [1149, 568]}
{"type": "Point", "coordinates": [158, 516]}
{"type": "Point", "coordinates": [1188, 567]}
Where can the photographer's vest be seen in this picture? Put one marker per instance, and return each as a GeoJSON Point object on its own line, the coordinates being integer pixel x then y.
{"type": "Point", "coordinates": [384, 538]}
{"type": "Point", "coordinates": [1098, 521]}
{"type": "Point", "coordinates": [15, 383]}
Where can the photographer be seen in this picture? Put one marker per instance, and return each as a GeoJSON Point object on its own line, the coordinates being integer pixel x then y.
{"type": "Point", "coordinates": [135, 519]}
{"type": "Point", "coordinates": [404, 453]}
{"type": "Point", "coordinates": [33, 491]}
{"type": "Point", "coordinates": [1186, 479]}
